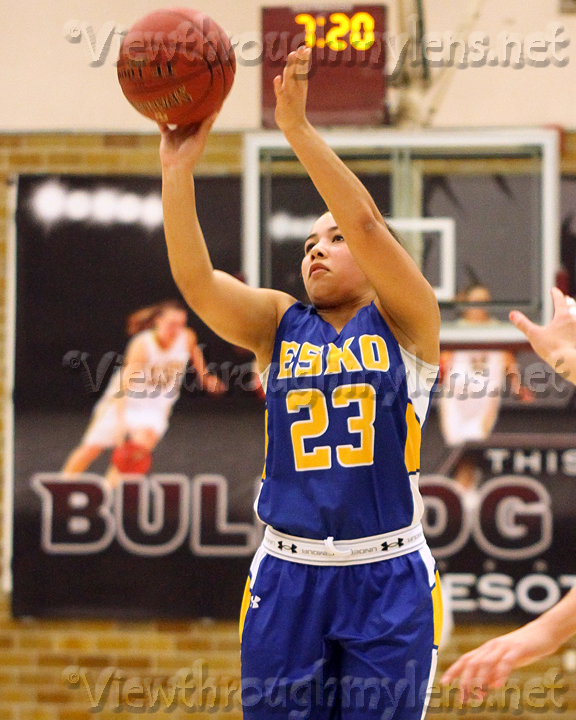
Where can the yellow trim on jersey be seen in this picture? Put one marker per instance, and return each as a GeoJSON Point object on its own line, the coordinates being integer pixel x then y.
{"type": "Point", "coordinates": [244, 607]}
{"type": "Point", "coordinates": [437, 607]}
{"type": "Point", "coordinates": [413, 440]}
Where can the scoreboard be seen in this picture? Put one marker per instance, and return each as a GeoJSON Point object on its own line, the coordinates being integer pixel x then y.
{"type": "Point", "coordinates": [348, 61]}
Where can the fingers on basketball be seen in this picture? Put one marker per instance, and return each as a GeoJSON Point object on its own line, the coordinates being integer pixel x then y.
{"type": "Point", "coordinates": [207, 124]}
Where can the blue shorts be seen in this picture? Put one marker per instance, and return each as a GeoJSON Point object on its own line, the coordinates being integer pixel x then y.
{"type": "Point", "coordinates": [340, 643]}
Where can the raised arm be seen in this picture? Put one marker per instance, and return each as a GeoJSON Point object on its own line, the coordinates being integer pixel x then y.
{"type": "Point", "coordinates": [239, 314]}
{"type": "Point", "coordinates": [401, 288]}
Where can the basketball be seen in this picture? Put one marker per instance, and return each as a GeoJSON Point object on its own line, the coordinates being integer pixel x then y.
{"type": "Point", "coordinates": [176, 66]}
{"type": "Point", "coordinates": [132, 458]}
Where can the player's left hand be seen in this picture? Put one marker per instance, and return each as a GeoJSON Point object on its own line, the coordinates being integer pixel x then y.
{"type": "Point", "coordinates": [291, 89]}
{"type": "Point", "coordinates": [490, 665]}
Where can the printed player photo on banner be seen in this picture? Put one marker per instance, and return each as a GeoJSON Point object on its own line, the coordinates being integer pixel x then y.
{"type": "Point", "coordinates": [139, 434]}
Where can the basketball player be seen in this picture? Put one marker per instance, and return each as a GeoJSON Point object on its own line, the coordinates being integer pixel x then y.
{"type": "Point", "coordinates": [473, 382]}
{"type": "Point", "coordinates": [343, 590]}
{"type": "Point", "coordinates": [141, 394]}
{"type": "Point", "coordinates": [491, 664]}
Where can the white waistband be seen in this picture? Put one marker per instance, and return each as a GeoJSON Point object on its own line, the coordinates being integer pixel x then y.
{"type": "Point", "coordinates": [343, 552]}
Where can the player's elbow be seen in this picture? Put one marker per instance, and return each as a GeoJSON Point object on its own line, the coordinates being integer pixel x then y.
{"type": "Point", "coordinates": [367, 222]}
{"type": "Point", "coordinates": [195, 290]}
{"type": "Point", "coordinates": [428, 317]}
{"type": "Point", "coordinates": [434, 317]}
{"type": "Point", "coordinates": [185, 284]}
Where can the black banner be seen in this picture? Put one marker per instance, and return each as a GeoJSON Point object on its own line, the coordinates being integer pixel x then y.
{"type": "Point", "coordinates": [505, 549]}
{"type": "Point", "coordinates": [499, 509]}
{"type": "Point", "coordinates": [177, 542]}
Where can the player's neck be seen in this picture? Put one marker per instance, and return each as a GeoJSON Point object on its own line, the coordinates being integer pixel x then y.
{"type": "Point", "coordinates": [338, 316]}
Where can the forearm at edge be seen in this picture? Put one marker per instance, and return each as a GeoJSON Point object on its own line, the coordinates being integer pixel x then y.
{"type": "Point", "coordinates": [560, 620]}
{"type": "Point", "coordinates": [563, 362]}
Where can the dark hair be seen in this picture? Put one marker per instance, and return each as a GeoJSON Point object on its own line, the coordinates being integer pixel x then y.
{"type": "Point", "coordinates": [145, 318]}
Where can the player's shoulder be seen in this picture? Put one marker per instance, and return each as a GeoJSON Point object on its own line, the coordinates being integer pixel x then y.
{"type": "Point", "coordinates": [429, 353]}
{"type": "Point", "coordinates": [296, 313]}
{"type": "Point", "coordinates": [282, 302]}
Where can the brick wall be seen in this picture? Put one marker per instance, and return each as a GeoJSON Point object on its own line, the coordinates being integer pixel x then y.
{"type": "Point", "coordinates": [46, 666]}
{"type": "Point", "coordinates": [34, 653]}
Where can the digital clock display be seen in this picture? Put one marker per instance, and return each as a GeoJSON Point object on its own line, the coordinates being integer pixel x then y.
{"type": "Point", "coordinates": [358, 30]}
{"type": "Point", "coordinates": [347, 73]}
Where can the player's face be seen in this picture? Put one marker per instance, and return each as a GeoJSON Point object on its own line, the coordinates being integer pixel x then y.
{"type": "Point", "coordinates": [477, 314]}
{"type": "Point", "coordinates": [170, 324]}
{"type": "Point", "coordinates": [331, 274]}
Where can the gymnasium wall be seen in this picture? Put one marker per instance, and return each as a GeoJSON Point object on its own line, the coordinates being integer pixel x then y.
{"type": "Point", "coordinates": [48, 93]}
{"type": "Point", "coordinates": [48, 83]}
{"type": "Point", "coordinates": [34, 653]}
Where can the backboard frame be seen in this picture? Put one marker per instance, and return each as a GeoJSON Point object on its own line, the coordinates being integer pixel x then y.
{"type": "Point", "coordinates": [446, 290]}
{"type": "Point", "coordinates": [514, 139]}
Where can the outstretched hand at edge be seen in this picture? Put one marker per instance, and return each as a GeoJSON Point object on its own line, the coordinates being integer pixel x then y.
{"type": "Point", "coordinates": [555, 342]}
{"type": "Point", "coordinates": [490, 665]}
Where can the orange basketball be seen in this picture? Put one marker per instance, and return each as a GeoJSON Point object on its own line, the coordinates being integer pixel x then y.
{"type": "Point", "coordinates": [132, 458]}
{"type": "Point", "coordinates": [176, 66]}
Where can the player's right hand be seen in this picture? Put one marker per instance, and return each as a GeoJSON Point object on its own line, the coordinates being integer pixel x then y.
{"type": "Point", "coordinates": [555, 342]}
{"type": "Point", "coordinates": [182, 147]}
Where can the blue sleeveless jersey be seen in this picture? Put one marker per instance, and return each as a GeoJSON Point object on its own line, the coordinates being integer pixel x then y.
{"type": "Point", "coordinates": [344, 418]}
